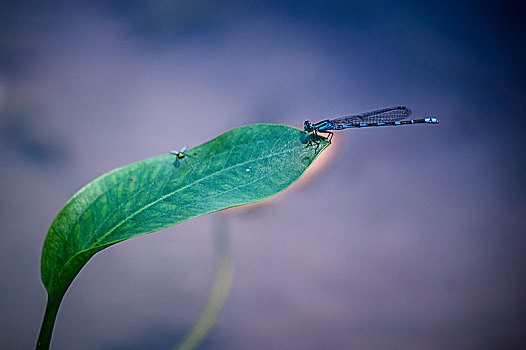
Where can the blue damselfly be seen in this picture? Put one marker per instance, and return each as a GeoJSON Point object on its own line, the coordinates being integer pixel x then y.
{"type": "Point", "coordinates": [382, 117]}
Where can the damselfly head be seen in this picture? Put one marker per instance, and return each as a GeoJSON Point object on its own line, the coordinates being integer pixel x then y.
{"type": "Point", "coordinates": [308, 126]}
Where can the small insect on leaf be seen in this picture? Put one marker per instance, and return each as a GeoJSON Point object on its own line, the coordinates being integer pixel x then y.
{"type": "Point", "coordinates": [179, 155]}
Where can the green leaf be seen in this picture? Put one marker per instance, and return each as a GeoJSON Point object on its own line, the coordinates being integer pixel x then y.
{"type": "Point", "coordinates": [241, 166]}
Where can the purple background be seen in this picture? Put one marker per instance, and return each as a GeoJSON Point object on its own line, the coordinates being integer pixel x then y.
{"type": "Point", "coordinates": [402, 238]}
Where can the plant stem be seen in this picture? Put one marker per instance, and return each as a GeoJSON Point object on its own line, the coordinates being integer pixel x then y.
{"type": "Point", "coordinates": [220, 289]}
{"type": "Point", "coordinates": [46, 330]}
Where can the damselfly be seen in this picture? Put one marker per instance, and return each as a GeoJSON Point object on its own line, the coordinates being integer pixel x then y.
{"type": "Point", "coordinates": [381, 117]}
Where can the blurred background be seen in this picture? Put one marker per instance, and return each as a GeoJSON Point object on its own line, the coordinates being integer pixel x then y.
{"type": "Point", "coordinates": [401, 238]}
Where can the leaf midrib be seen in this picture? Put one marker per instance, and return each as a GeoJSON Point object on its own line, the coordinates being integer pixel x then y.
{"type": "Point", "coordinates": [94, 245]}
{"type": "Point", "coordinates": [180, 189]}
